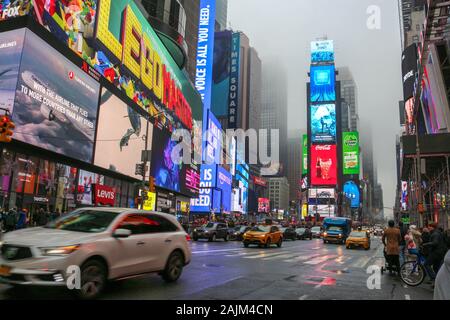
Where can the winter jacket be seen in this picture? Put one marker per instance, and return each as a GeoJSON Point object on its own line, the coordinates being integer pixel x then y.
{"type": "Point", "coordinates": [442, 282]}
{"type": "Point", "coordinates": [391, 239]}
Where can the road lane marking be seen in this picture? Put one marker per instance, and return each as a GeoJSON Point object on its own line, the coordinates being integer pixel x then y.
{"type": "Point", "coordinates": [265, 255]}
{"type": "Point", "coordinates": [303, 297]}
{"type": "Point", "coordinates": [361, 262]}
{"type": "Point", "coordinates": [407, 297]}
{"type": "Point", "coordinates": [320, 259]}
{"type": "Point", "coordinates": [279, 256]}
{"type": "Point", "coordinates": [301, 258]}
{"type": "Point", "coordinates": [221, 250]}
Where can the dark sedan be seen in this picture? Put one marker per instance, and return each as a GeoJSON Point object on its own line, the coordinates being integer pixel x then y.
{"type": "Point", "coordinates": [238, 232]}
{"type": "Point", "coordinates": [289, 233]}
{"type": "Point", "coordinates": [303, 233]}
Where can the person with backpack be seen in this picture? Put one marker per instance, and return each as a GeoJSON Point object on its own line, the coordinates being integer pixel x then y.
{"type": "Point", "coordinates": [11, 220]}
{"type": "Point", "coordinates": [436, 248]}
{"type": "Point", "coordinates": [442, 283]}
{"type": "Point", "coordinates": [402, 245]}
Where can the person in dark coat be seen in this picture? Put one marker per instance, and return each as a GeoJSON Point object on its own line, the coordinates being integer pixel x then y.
{"type": "Point", "coordinates": [437, 249]}
{"type": "Point", "coordinates": [391, 240]}
{"type": "Point", "coordinates": [403, 232]}
{"type": "Point", "coordinates": [22, 219]}
{"type": "Point", "coordinates": [11, 220]}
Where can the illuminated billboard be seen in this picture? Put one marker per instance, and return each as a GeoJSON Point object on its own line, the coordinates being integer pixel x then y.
{"type": "Point", "coordinates": [323, 81]}
{"type": "Point", "coordinates": [116, 39]}
{"type": "Point", "coordinates": [205, 52]}
{"type": "Point", "coordinates": [224, 183]}
{"type": "Point", "coordinates": [120, 136]}
{"type": "Point", "coordinates": [305, 154]}
{"type": "Point", "coordinates": [323, 165]}
{"type": "Point", "coordinates": [56, 102]}
{"type": "Point", "coordinates": [322, 51]}
{"type": "Point", "coordinates": [263, 205]}
{"type": "Point", "coordinates": [213, 143]}
{"type": "Point", "coordinates": [323, 123]}
{"type": "Point", "coordinates": [14, 8]}
{"type": "Point", "coordinates": [409, 70]}
{"type": "Point", "coordinates": [221, 73]}
{"type": "Point", "coordinates": [209, 198]}
{"type": "Point", "coordinates": [233, 99]}
{"type": "Point", "coordinates": [350, 152]}
{"type": "Point", "coordinates": [11, 45]}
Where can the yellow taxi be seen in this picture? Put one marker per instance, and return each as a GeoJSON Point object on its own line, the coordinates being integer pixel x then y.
{"type": "Point", "coordinates": [358, 239]}
{"type": "Point", "coordinates": [263, 235]}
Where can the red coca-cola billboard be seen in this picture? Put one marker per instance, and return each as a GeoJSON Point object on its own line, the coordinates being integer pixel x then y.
{"type": "Point", "coordinates": [259, 181]}
{"type": "Point", "coordinates": [323, 165]}
{"type": "Point", "coordinates": [104, 195]}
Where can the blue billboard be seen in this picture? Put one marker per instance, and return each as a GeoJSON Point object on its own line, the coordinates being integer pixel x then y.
{"type": "Point", "coordinates": [323, 123]}
{"type": "Point", "coordinates": [224, 182]}
{"type": "Point", "coordinates": [205, 51]}
{"type": "Point", "coordinates": [322, 51]}
{"type": "Point", "coordinates": [323, 80]}
{"type": "Point", "coordinates": [233, 99]}
{"type": "Point", "coordinates": [207, 200]}
{"type": "Point", "coordinates": [221, 73]}
{"type": "Point", "coordinates": [351, 192]}
{"type": "Point", "coordinates": [213, 143]}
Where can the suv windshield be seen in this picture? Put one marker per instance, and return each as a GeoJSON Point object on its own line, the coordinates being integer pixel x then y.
{"type": "Point", "coordinates": [261, 229]}
{"type": "Point", "coordinates": [358, 234]}
{"type": "Point", "coordinates": [84, 221]}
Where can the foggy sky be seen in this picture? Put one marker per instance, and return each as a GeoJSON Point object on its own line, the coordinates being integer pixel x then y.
{"type": "Point", "coordinates": [284, 28]}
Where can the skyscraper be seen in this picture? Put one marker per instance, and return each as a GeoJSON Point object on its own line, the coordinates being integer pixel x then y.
{"type": "Point", "coordinates": [294, 160]}
{"type": "Point", "coordinates": [349, 95]}
{"type": "Point", "coordinates": [221, 14]}
{"type": "Point", "coordinates": [274, 107]}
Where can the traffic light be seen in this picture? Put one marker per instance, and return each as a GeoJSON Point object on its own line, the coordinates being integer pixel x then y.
{"type": "Point", "coordinates": [6, 128]}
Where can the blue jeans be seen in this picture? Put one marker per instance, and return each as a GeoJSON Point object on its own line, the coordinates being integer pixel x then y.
{"type": "Point", "coordinates": [402, 254]}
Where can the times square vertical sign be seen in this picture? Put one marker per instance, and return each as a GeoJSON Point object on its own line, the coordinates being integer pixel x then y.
{"type": "Point", "coordinates": [205, 55]}
{"type": "Point", "coordinates": [233, 98]}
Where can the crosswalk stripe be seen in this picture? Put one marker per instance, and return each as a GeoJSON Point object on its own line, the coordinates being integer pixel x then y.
{"type": "Point", "coordinates": [279, 256]}
{"type": "Point", "coordinates": [361, 262]}
{"type": "Point", "coordinates": [301, 258]}
{"type": "Point", "coordinates": [265, 255]}
{"type": "Point", "coordinates": [320, 259]}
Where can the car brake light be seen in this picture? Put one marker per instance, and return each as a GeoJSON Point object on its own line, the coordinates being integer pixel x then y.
{"type": "Point", "coordinates": [188, 237]}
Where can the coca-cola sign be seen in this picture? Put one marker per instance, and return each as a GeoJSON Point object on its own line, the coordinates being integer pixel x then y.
{"type": "Point", "coordinates": [104, 195]}
{"type": "Point", "coordinates": [259, 181]}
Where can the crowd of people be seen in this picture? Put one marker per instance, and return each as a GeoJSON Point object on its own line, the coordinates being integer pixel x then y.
{"type": "Point", "coordinates": [15, 219]}
{"type": "Point", "coordinates": [430, 243]}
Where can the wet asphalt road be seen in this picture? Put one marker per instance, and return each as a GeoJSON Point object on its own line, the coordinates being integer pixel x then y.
{"type": "Point", "coordinates": [299, 270]}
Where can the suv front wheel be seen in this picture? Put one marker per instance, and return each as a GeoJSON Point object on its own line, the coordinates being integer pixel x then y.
{"type": "Point", "coordinates": [93, 279]}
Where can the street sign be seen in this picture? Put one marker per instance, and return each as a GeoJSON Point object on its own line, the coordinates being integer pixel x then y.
{"type": "Point", "coordinates": [139, 169]}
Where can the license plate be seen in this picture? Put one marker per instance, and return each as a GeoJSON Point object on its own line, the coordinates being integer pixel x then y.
{"type": "Point", "coordinates": [5, 271]}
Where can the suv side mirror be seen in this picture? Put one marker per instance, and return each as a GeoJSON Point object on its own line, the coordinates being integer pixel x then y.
{"type": "Point", "coordinates": [121, 233]}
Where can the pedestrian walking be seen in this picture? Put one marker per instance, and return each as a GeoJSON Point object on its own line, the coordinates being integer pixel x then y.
{"type": "Point", "coordinates": [442, 283]}
{"type": "Point", "coordinates": [391, 239]}
{"type": "Point", "coordinates": [436, 248]}
{"type": "Point", "coordinates": [11, 220]}
{"type": "Point", "coordinates": [22, 219]}
{"type": "Point", "coordinates": [402, 246]}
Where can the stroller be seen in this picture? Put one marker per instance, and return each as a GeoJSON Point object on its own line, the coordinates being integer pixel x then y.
{"type": "Point", "coordinates": [390, 265]}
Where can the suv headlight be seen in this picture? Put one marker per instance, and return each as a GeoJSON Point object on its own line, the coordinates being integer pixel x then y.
{"type": "Point", "coordinates": [59, 251]}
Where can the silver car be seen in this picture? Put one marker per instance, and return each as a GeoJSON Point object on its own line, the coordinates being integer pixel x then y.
{"type": "Point", "coordinates": [97, 245]}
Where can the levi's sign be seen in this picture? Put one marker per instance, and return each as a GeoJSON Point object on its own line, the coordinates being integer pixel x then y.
{"type": "Point", "coordinates": [104, 195]}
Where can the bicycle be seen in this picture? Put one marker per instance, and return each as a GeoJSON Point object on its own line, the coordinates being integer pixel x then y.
{"type": "Point", "coordinates": [413, 272]}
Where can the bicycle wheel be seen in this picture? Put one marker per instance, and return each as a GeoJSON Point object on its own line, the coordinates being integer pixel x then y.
{"type": "Point", "coordinates": [412, 273]}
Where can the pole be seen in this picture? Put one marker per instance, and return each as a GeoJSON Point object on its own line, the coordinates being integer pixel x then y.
{"type": "Point", "coordinates": [419, 175]}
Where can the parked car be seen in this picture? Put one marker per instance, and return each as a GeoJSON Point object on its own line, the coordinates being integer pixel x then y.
{"type": "Point", "coordinates": [303, 233]}
{"type": "Point", "coordinates": [105, 243]}
{"type": "Point", "coordinates": [263, 235]}
{"type": "Point", "coordinates": [316, 232]}
{"type": "Point", "coordinates": [358, 239]}
{"type": "Point", "coordinates": [211, 231]}
{"type": "Point", "coordinates": [238, 232]}
{"type": "Point", "coordinates": [289, 233]}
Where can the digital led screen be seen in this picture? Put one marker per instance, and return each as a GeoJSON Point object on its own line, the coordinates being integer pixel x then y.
{"type": "Point", "coordinates": [224, 183]}
{"type": "Point", "coordinates": [350, 152]}
{"type": "Point", "coordinates": [323, 165]}
{"type": "Point", "coordinates": [213, 143]}
{"type": "Point", "coordinates": [11, 45]}
{"type": "Point", "coordinates": [56, 102]}
{"type": "Point", "coordinates": [305, 154]}
{"type": "Point", "coordinates": [322, 51]}
{"type": "Point", "coordinates": [209, 198]}
{"type": "Point", "coordinates": [323, 123]}
{"type": "Point", "coordinates": [120, 136]}
{"type": "Point", "coordinates": [221, 73]}
{"type": "Point", "coordinates": [322, 83]}
{"type": "Point", "coordinates": [263, 205]}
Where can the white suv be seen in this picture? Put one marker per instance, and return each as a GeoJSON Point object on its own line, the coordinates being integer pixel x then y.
{"type": "Point", "coordinates": [102, 243]}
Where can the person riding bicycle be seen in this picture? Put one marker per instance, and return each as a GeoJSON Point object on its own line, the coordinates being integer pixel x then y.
{"type": "Point", "coordinates": [391, 239]}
